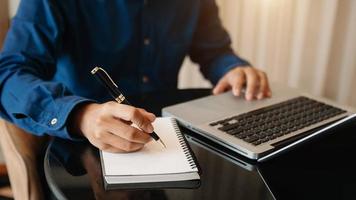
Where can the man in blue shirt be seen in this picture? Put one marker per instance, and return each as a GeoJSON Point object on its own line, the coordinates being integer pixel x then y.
{"type": "Point", "coordinates": [52, 45]}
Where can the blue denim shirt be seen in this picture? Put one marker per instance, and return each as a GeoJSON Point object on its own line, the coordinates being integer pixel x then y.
{"type": "Point", "coordinates": [53, 44]}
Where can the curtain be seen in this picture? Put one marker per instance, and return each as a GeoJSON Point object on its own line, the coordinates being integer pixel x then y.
{"type": "Point", "coordinates": [308, 44]}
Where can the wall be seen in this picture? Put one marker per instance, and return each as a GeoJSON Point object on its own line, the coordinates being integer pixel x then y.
{"type": "Point", "coordinates": [13, 4]}
{"type": "Point", "coordinates": [309, 44]}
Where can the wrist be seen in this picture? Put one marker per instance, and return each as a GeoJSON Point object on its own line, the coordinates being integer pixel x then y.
{"type": "Point", "coordinates": [76, 119]}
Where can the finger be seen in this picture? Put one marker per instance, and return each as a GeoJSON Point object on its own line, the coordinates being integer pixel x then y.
{"type": "Point", "coordinates": [252, 82]}
{"type": "Point", "coordinates": [141, 120]}
{"type": "Point", "coordinates": [105, 147]}
{"type": "Point", "coordinates": [221, 86]}
{"type": "Point", "coordinates": [130, 113]}
{"type": "Point", "coordinates": [264, 89]}
{"type": "Point", "coordinates": [121, 143]}
{"type": "Point", "coordinates": [127, 132]}
{"type": "Point", "coordinates": [115, 150]}
{"type": "Point", "coordinates": [149, 115]}
{"type": "Point", "coordinates": [237, 82]}
{"type": "Point", "coordinates": [111, 149]}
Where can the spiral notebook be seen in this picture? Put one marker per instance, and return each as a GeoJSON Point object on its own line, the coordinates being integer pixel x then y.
{"type": "Point", "coordinates": [154, 166]}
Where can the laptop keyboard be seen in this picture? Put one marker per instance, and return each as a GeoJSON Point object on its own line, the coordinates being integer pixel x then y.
{"type": "Point", "coordinates": [265, 124]}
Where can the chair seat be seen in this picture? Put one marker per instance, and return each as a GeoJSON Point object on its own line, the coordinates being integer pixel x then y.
{"type": "Point", "coordinates": [23, 154]}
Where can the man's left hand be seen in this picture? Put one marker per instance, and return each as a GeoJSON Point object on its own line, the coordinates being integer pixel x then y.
{"type": "Point", "coordinates": [255, 81]}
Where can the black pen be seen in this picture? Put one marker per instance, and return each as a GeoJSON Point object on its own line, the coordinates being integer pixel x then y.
{"type": "Point", "coordinates": [103, 77]}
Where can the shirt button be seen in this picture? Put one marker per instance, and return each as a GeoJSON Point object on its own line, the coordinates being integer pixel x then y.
{"type": "Point", "coordinates": [147, 41]}
{"type": "Point", "coordinates": [145, 79]}
{"type": "Point", "coordinates": [54, 121]}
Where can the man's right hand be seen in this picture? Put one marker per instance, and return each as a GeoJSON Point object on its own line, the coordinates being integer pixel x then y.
{"type": "Point", "coordinates": [108, 126]}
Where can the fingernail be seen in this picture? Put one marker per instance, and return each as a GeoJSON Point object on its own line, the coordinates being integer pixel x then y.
{"type": "Point", "coordinates": [238, 92]}
{"type": "Point", "coordinates": [260, 96]}
{"type": "Point", "coordinates": [152, 117]}
{"type": "Point", "coordinates": [249, 96]}
{"type": "Point", "coordinates": [235, 93]}
{"type": "Point", "coordinates": [150, 128]}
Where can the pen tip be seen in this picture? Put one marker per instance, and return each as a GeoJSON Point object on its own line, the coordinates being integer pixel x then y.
{"type": "Point", "coordinates": [162, 143]}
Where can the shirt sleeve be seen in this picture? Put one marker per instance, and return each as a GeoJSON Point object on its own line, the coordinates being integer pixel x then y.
{"type": "Point", "coordinates": [211, 45]}
{"type": "Point", "coordinates": [29, 96]}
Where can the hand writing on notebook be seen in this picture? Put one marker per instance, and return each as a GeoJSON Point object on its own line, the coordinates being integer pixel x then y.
{"type": "Point", "coordinates": [108, 126]}
{"type": "Point", "coordinates": [256, 82]}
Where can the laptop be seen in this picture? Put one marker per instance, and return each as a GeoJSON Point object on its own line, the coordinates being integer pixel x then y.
{"type": "Point", "coordinates": [260, 129]}
{"type": "Point", "coordinates": [286, 176]}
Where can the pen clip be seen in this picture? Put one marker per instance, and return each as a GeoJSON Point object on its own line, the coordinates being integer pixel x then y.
{"type": "Point", "coordinates": [104, 78]}
{"type": "Point", "coordinates": [93, 71]}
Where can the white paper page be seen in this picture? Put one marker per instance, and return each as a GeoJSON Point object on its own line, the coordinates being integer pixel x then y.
{"type": "Point", "coordinates": [153, 158]}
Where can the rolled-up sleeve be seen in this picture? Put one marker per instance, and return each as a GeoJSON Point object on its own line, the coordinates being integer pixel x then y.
{"type": "Point", "coordinates": [29, 96]}
{"type": "Point", "coordinates": [211, 45]}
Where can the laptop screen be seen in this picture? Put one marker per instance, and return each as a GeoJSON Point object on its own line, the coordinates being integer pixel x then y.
{"type": "Point", "coordinates": [323, 168]}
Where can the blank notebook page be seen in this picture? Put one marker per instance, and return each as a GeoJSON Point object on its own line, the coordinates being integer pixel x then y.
{"type": "Point", "coordinates": [153, 158]}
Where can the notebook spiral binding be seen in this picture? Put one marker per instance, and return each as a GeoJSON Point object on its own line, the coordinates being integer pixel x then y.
{"type": "Point", "coordinates": [183, 144]}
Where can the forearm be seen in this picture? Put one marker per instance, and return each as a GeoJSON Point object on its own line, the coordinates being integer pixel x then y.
{"type": "Point", "coordinates": [211, 44]}
{"type": "Point", "coordinates": [38, 106]}
{"type": "Point", "coordinates": [221, 65]}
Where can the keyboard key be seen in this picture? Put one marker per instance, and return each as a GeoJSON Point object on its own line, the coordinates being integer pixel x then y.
{"type": "Point", "coordinates": [214, 123]}
{"type": "Point", "coordinates": [257, 142]}
{"type": "Point", "coordinates": [234, 131]}
{"type": "Point", "coordinates": [228, 127]}
{"type": "Point", "coordinates": [251, 139]}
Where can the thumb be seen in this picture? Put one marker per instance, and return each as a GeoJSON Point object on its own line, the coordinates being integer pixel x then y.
{"type": "Point", "coordinates": [222, 86]}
